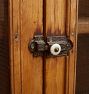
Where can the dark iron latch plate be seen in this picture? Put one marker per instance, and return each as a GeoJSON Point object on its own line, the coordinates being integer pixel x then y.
{"type": "Point", "coordinates": [51, 46]}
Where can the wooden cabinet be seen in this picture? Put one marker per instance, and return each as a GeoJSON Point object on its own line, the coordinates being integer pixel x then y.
{"type": "Point", "coordinates": [41, 75]}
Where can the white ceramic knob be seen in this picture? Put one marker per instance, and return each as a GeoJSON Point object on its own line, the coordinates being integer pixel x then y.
{"type": "Point", "coordinates": [55, 49]}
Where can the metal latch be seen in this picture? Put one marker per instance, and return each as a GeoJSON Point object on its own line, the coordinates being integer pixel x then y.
{"type": "Point", "coordinates": [51, 46]}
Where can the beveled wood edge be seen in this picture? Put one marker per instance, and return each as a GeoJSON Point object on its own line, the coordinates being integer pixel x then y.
{"type": "Point", "coordinates": [14, 45]}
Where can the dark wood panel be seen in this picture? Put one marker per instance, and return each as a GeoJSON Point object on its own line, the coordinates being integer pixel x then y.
{"type": "Point", "coordinates": [83, 8]}
{"type": "Point", "coordinates": [4, 49]}
{"type": "Point", "coordinates": [82, 81]}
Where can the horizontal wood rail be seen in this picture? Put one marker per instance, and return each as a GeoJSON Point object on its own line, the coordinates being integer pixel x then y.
{"type": "Point", "coordinates": [83, 25]}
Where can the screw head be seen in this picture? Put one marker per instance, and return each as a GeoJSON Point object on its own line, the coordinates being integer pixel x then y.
{"type": "Point", "coordinates": [32, 46]}
{"type": "Point", "coordinates": [56, 49]}
{"type": "Point", "coordinates": [72, 33]}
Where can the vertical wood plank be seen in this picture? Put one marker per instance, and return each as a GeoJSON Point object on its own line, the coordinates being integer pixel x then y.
{"type": "Point", "coordinates": [15, 46]}
{"type": "Point", "coordinates": [55, 67]}
{"type": "Point", "coordinates": [73, 53]}
{"type": "Point", "coordinates": [72, 22]}
{"type": "Point", "coordinates": [31, 23]}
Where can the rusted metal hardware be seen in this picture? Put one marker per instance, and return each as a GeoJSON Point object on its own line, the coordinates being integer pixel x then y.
{"type": "Point", "coordinates": [51, 46]}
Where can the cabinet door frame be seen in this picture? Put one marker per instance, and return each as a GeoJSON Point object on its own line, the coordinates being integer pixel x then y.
{"type": "Point", "coordinates": [15, 57]}
{"type": "Point", "coordinates": [72, 27]}
{"type": "Point", "coordinates": [19, 68]}
{"type": "Point", "coordinates": [15, 46]}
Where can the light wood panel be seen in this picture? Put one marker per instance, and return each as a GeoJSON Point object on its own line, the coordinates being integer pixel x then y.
{"type": "Point", "coordinates": [15, 46]}
{"type": "Point", "coordinates": [31, 23]}
{"type": "Point", "coordinates": [61, 72]}
{"type": "Point", "coordinates": [71, 60]}
{"type": "Point", "coordinates": [55, 67]}
{"type": "Point", "coordinates": [25, 21]}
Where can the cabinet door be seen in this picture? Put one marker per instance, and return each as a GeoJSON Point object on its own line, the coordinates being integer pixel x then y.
{"type": "Point", "coordinates": [42, 75]}
{"type": "Point", "coordinates": [61, 18]}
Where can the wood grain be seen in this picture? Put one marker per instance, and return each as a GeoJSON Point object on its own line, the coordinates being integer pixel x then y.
{"type": "Point", "coordinates": [15, 46]}
{"type": "Point", "coordinates": [55, 67]}
{"type": "Point", "coordinates": [26, 19]}
{"type": "Point", "coordinates": [83, 25]}
{"type": "Point", "coordinates": [31, 23]}
{"type": "Point", "coordinates": [26, 71]}
{"type": "Point", "coordinates": [60, 69]}
{"type": "Point", "coordinates": [73, 23]}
